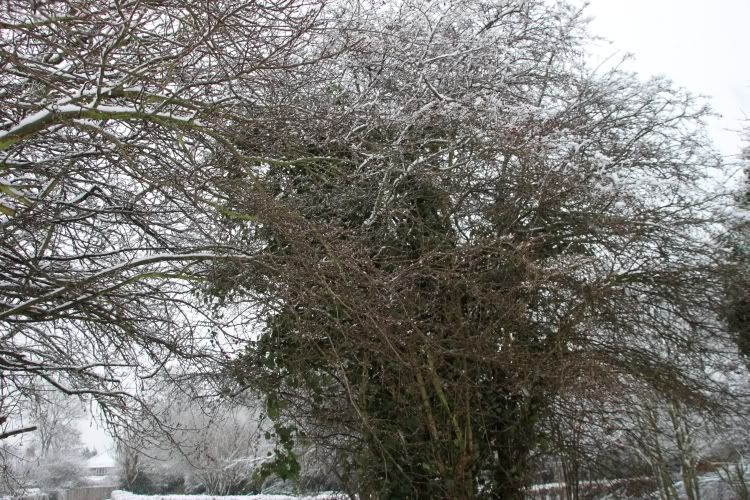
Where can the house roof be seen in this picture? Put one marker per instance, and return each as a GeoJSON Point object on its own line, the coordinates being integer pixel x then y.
{"type": "Point", "coordinates": [101, 460]}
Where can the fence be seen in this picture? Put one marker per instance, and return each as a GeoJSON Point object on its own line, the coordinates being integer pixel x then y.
{"type": "Point", "coordinates": [89, 493]}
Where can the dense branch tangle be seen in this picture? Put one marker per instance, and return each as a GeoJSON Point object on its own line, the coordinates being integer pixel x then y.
{"type": "Point", "coordinates": [110, 114]}
{"type": "Point", "coordinates": [495, 228]}
{"type": "Point", "coordinates": [443, 222]}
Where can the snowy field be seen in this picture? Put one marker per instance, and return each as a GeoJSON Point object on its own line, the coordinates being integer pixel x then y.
{"type": "Point", "coordinates": [124, 495]}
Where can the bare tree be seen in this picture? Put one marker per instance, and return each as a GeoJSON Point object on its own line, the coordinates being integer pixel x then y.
{"type": "Point", "coordinates": [110, 113]}
{"type": "Point", "coordinates": [51, 454]}
{"type": "Point", "coordinates": [216, 449]}
{"type": "Point", "coordinates": [55, 416]}
{"type": "Point", "coordinates": [226, 450]}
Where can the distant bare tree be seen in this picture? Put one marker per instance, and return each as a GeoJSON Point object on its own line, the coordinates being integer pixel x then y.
{"type": "Point", "coordinates": [55, 416]}
{"type": "Point", "coordinates": [216, 449]}
{"type": "Point", "coordinates": [226, 449]}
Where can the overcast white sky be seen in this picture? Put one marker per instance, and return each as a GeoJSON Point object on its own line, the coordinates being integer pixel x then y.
{"type": "Point", "coordinates": [702, 45]}
{"type": "Point", "coordinates": [94, 435]}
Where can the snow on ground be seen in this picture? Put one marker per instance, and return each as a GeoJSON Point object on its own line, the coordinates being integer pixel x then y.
{"type": "Point", "coordinates": [124, 495]}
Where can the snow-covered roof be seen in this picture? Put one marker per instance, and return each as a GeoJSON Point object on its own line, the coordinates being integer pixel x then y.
{"type": "Point", "coordinates": [101, 460]}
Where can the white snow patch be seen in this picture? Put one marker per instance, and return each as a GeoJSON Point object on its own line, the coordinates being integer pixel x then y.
{"type": "Point", "coordinates": [124, 495]}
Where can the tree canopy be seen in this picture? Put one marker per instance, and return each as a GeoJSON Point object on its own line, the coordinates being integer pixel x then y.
{"type": "Point", "coordinates": [422, 231]}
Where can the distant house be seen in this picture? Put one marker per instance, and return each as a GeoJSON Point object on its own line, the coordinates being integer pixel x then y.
{"type": "Point", "coordinates": [101, 469]}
